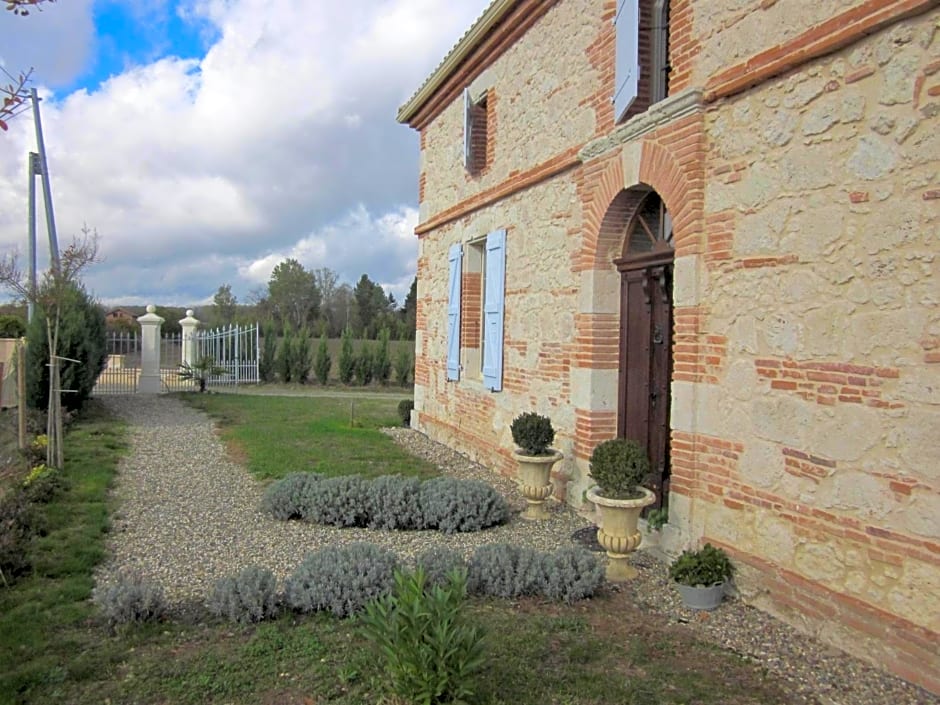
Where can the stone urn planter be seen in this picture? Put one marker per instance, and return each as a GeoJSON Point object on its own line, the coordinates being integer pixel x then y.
{"type": "Point", "coordinates": [618, 466]}
{"type": "Point", "coordinates": [535, 480]}
{"type": "Point", "coordinates": [617, 530]}
{"type": "Point", "coordinates": [533, 434]}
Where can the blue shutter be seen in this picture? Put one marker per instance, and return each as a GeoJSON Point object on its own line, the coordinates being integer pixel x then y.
{"type": "Point", "coordinates": [467, 127]}
{"type": "Point", "coordinates": [454, 258]}
{"type": "Point", "coordinates": [627, 67]}
{"type": "Point", "coordinates": [493, 307]}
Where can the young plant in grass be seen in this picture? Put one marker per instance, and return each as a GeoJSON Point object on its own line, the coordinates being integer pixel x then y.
{"type": "Point", "coordinates": [347, 358]}
{"type": "Point", "coordinates": [201, 371]}
{"type": "Point", "coordinates": [431, 650]}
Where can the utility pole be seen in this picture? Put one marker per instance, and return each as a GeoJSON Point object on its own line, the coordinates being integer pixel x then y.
{"type": "Point", "coordinates": [34, 170]}
{"type": "Point", "coordinates": [46, 188]}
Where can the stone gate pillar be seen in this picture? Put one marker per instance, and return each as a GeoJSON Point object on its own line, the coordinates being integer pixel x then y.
{"type": "Point", "coordinates": [150, 322]}
{"type": "Point", "coordinates": [189, 325]}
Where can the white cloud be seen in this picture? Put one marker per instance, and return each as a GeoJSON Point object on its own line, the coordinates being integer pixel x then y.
{"type": "Point", "coordinates": [280, 142]}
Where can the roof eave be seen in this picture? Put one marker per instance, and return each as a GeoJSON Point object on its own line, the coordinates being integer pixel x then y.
{"type": "Point", "coordinates": [489, 19]}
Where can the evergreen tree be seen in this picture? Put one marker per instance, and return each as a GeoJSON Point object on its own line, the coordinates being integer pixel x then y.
{"type": "Point", "coordinates": [364, 362]}
{"type": "Point", "coordinates": [347, 360]}
{"type": "Point", "coordinates": [300, 357]}
{"type": "Point", "coordinates": [285, 357]}
{"type": "Point", "coordinates": [382, 363]}
{"type": "Point", "coordinates": [323, 361]}
{"type": "Point", "coordinates": [267, 366]}
{"type": "Point", "coordinates": [82, 337]}
{"type": "Point", "coordinates": [404, 365]}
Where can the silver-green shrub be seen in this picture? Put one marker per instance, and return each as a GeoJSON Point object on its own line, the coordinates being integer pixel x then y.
{"type": "Point", "coordinates": [286, 498]}
{"type": "Point", "coordinates": [438, 563]}
{"type": "Point", "coordinates": [130, 598]}
{"type": "Point", "coordinates": [395, 503]}
{"type": "Point", "coordinates": [571, 574]}
{"type": "Point", "coordinates": [249, 596]}
{"type": "Point", "coordinates": [452, 505]}
{"type": "Point", "coordinates": [505, 570]}
{"type": "Point", "coordinates": [338, 501]}
{"type": "Point", "coordinates": [341, 579]}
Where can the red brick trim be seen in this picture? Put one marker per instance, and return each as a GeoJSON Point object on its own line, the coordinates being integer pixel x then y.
{"type": "Point", "coordinates": [907, 649]}
{"type": "Point", "coordinates": [514, 184]}
{"type": "Point", "coordinates": [829, 383]}
{"type": "Point", "coordinates": [829, 36]}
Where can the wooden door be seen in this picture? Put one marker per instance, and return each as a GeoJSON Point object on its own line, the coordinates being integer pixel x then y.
{"type": "Point", "coordinates": [645, 369]}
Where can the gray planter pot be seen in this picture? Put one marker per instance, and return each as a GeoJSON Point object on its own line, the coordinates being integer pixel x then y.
{"type": "Point", "coordinates": [702, 598]}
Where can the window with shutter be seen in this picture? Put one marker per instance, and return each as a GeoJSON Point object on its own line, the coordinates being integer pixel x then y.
{"type": "Point", "coordinates": [627, 66]}
{"type": "Point", "coordinates": [455, 258]}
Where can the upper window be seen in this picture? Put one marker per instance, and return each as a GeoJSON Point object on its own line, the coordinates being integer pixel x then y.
{"type": "Point", "coordinates": [627, 65]}
{"type": "Point", "coordinates": [642, 56]}
{"type": "Point", "coordinates": [474, 133]}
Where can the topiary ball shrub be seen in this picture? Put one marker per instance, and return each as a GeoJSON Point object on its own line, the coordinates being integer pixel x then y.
{"type": "Point", "coordinates": [287, 498]}
{"type": "Point", "coordinates": [438, 563]}
{"type": "Point", "coordinates": [338, 501]}
{"type": "Point", "coordinates": [571, 574]}
{"type": "Point", "coordinates": [395, 503]}
{"type": "Point", "coordinates": [341, 579]}
{"type": "Point", "coordinates": [504, 570]}
{"type": "Point", "coordinates": [533, 433]}
{"type": "Point", "coordinates": [130, 598]}
{"type": "Point", "coordinates": [619, 466]}
{"type": "Point", "coordinates": [250, 596]}
{"type": "Point", "coordinates": [452, 505]}
{"type": "Point", "coordinates": [405, 407]}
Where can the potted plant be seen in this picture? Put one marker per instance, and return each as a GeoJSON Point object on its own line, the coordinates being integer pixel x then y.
{"type": "Point", "coordinates": [701, 576]}
{"type": "Point", "coordinates": [619, 467]}
{"type": "Point", "coordinates": [533, 435]}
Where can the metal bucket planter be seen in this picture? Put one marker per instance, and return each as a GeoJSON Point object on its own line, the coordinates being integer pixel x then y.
{"type": "Point", "coordinates": [702, 598]}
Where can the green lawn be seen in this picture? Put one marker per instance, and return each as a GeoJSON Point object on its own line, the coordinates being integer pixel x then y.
{"type": "Point", "coordinates": [55, 649]}
{"type": "Point", "coordinates": [331, 436]}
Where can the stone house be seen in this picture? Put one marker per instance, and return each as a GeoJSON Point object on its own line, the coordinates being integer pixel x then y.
{"type": "Point", "coordinates": [712, 226]}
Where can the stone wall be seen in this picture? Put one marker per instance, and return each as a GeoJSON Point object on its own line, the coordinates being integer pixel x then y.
{"type": "Point", "coordinates": [815, 450]}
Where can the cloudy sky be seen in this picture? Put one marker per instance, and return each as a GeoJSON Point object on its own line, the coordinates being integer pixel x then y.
{"type": "Point", "coordinates": [207, 140]}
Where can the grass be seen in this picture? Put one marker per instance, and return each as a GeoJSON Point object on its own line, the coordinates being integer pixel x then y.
{"type": "Point", "coordinates": [55, 649]}
{"type": "Point", "coordinates": [331, 436]}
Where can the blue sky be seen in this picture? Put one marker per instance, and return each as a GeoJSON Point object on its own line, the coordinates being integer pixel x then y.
{"type": "Point", "coordinates": [207, 140]}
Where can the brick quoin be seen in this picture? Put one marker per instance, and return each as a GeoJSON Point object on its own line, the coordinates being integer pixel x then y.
{"type": "Point", "coordinates": [697, 356]}
{"type": "Point", "coordinates": [683, 46]}
{"type": "Point", "coordinates": [592, 427]}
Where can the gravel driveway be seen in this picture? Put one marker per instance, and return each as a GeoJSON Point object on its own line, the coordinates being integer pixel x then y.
{"type": "Point", "coordinates": [187, 515]}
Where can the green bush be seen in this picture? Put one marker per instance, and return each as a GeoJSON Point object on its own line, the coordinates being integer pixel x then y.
{"type": "Point", "coordinates": [82, 337]}
{"type": "Point", "coordinates": [619, 466]}
{"type": "Point", "coordinates": [19, 522]}
{"type": "Point", "coordinates": [323, 362]}
{"type": "Point", "coordinates": [405, 407]}
{"type": "Point", "coordinates": [706, 567]}
{"type": "Point", "coordinates": [404, 366]}
{"type": "Point", "coordinates": [431, 651]}
{"type": "Point", "coordinates": [300, 357]}
{"type": "Point", "coordinates": [347, 359]}
{"type": "Point", "coordinates": [533, 433]}
{"type": "Point", "coordinates": [12, 327]}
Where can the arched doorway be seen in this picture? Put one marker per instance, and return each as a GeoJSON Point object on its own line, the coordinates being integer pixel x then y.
{"type": "Point", "coordinates": [646, 325]}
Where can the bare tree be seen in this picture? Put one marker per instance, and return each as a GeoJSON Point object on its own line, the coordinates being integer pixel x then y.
{"type": "Point", "coordinates": [14, 93]}
{"type": "Point", "coordinates": [56, 281]}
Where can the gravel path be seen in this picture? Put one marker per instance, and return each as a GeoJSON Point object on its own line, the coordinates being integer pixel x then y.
{"type": "Point", "coordinates": [188, 515]}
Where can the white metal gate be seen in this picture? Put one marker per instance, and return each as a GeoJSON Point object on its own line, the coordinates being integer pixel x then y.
{"type": "Point", "coordinates": [234, 348]}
